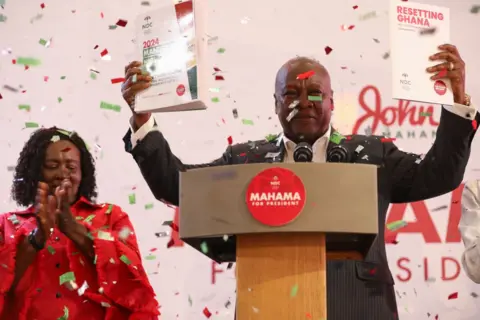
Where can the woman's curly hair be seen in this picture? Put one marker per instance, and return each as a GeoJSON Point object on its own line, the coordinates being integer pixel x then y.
{"type": "Point", "coordinates": [28, 171]}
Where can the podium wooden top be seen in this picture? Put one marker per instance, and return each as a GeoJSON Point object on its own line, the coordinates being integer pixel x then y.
{"type": "Point", "coordinates": [340, 198]}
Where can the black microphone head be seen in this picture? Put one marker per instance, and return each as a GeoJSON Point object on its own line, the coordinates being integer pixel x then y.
{"type": "Point", "coordinates": [303, 152]}
{"type": "Point", "coordinates": [338, 154]}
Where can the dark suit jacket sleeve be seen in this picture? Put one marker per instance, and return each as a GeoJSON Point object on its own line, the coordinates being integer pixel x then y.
{"type": "Point", "coordinates": [442, 168]}
{"type": "Point", "coordinates": [160, 167]}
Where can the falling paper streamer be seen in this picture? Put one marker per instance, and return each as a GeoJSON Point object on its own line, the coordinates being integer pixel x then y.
{"type": "Point", "coordinates": [394, 226]}
{"type": "Point", "coordinates": [292, 114]}
{"type": "Point", "coordinates": [149, 206]}
{"type": "Point", "coordinates": [294, 104]}
{"type": "Point", "coordinates": [247, 122]}
{"type": "Point", "coordinates": [31, 62]}
{"type": "Point", "coordinates": [25, 107]}
{"type": "Point", "coordinates": [215, 99]}
{"type": "Point", "coordinates": [108, 106]}
{"type": "Point", "coordinates": [150, 257]}
{"type": "Point", "coordinates": [31, 125]}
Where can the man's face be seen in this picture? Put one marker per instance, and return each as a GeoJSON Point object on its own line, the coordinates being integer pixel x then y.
{"type": "Point", "coordinates": [314, 97]}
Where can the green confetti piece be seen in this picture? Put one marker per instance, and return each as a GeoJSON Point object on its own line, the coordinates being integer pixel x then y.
{"type": "Point", "coordinates": [247, 122]}
{"type": "Point", "coordinates": [89, 218]}
{"type": "Point", "coordinates": [132, 198]}
{"type": "Point", "coordinates": [43, 42]}
{"type": "Point", "coordinates": [125, 259]}
{"type": "Point", "coordinates": [31, 62]}
{"type": "Point", "coordinates": [65, 314]}
{"type": "Point", "coordinates": [149, 206]}
{"type": "Point", "coordinates": [31, 125]}
{"type": "Point", "coordinates": [336, 137]}
{"type": "Point", "coordinates": [112, 27]}
{"type": "Point", "coordinates": [3, 18]}
{"type": "Point", "coordinates": [271, 137]}
{"type": "Point", "coordinates": [66, 277]}
{"type": "Point", "coordinates": [93, 75]}
{"type": "Point", "coordinates": [204, 247]}
{"type": "Point", "coordinates": [221, 50]}
{"type": "Point", "coordinates": [59, 99]}
{"type": "Point", "coordinates": [134, 78]}
{"type": "Point", "coordinates": [51, 250]}
{"type": "Point", "coordinates": [109, 209]}
{"type": "Point", "coordinates": [190, 301]}
{"type": "Point", "coordinates": [215, 99]}
{"type": "Point", "coordinates": [294, 291]}
{"type": "Point", "coordinates": [315, 98]}
{"type": "Point", "coordinates": [393, 226]}
{"type": "Point", "coordinates": [109, 106]}
{"type": "Point", "coordinates": [425, 114]}
{"type": "Point", "coordinates": [78, 218]}
{"type": "Point", "coordinates": [63, 77]}
{"type": "Point", "coordinates": [95, 259]}
{"type": "Point", "coordinates": [105, 235]}
{"type": "Point", "coordinates": [150, 257]}
{"type": "Point", "coordinates": [64, 132]}
{"type": "Point", "coordinates": [24, 107]}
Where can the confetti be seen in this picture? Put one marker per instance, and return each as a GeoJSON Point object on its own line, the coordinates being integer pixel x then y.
{"type": "Point", "coordinates": [24, 107]}
{"type": "Point", "coordinates": [369, 15]}
{"type": "Point", "coordinates": [125, 260]}
{"type": "Point", "coordinates": [204, 247]}
{"type": "Point", "coordinates": [31, 125]}
{"type": "Point", "coordinates": [425, 114]}
{"type": "Point", "coordinates": [428, 31]}
{"type": "Point", "coordinates": [149, 206]}
{"type": "Point", "coordinates": [43, 42]}
{"type": "Point", "coordinates": [109, 209]}
{"type": "Point", "coordinates": [394, 226]}
{"type": "Point", "coordinates": [124, 233]}
{"type": "Point", "coordinates": [475, 9]}
{"type": "Point", "coordinates": [230, 140]}
{"type": "Point", "coordinates": [59, 99]}
{"type": "Point", "coordinates": [294, 104]}
{"type": "Point", "coordinates": [292, 114]}
{"type": "Point", "coordinates": [215, 99]}
{"type": "Point", "coordinates": [190, 301]}
{"type": "Point", "coordinates": [145, 3]}
{"type": "Point", "coordinates": [104, 53]}
{"type": "Point", "coordinates": [121, 23]}
{"type": "Point", "coordinates": [66, 277]}
{"type": "Point", "coordinates": [235, 113]}
{"type": "Point", "coordinates": [247, 122]}
{"type": "Point", "coordinates": [294, 291]}
{"type": "Point", "coordinates": [453, 296]}
{"type": "Point", "coordinates": [336, 137]}
{"type": "Point", "coordinates": [105, 235]}
{"type": "Point", "coordinates": [117, 80]}
{"type": "Point", "coordinates": [28, 61]}
{"type": "Point", "coordinates": [271, 137]}
{"type": "Point", "coordinates": [150, 257]}
{"type": "Point", "coordinates": [207, 313]}
{"type": "Point", "coordinates": [83, 288]}
{"type": "Point", "coordinates": [132, 198]}
{"type": "Point", "coordinates": [315, 98]}
{"type": "Point", "coordinates": [65, 310]}
{"type": "Point", "coordinates": [108, 106]}
{"type": "Point", "coordinates": [387, 139]}
{"type": "Point", "coordinates": [3, 18]}
{"type": "Point", "coordinates": [219, 78]}
{"type": "Point", "coordinates": [93, 75]}
{"type": "Point", "coordinates": [328, 50]}
{"type": "Point", "coordinates": [221, 50]}
{"type": "Point", "coordinates": [355, 7]}
{"type": "Point", "coordinates": [474, 124]}
{"type": "Point", "coordinates": [305, 75]}
{"type": "Point", "coordinates": [42, 5]}
{"type": "Point", "coordinates": [9, 88]}
{"type": "Point", "coordinates": [89, 218]}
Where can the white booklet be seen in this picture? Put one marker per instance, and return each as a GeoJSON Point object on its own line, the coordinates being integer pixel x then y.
{"type": "Point", "coordinates": [173, 51]}
{"type": "Point", "coordinates": [416, 31]}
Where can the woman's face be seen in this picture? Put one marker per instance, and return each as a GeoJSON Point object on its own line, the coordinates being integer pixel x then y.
{"type": "Point", "coordinates": [62, 161]}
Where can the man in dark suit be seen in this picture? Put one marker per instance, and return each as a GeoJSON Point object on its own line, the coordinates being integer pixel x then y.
{"type": "Point", "coordinates": [360, 290]}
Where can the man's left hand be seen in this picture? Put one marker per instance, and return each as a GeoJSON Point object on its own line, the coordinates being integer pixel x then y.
{"type": "Point", "coordinates": [453, 69]}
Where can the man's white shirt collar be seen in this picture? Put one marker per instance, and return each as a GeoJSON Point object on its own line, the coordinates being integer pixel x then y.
{"type": "Point", "coordinates": [319, 147]}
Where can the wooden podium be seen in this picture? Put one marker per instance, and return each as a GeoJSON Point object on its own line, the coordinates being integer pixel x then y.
{"type": "Point", "coordinates": [281, 271]}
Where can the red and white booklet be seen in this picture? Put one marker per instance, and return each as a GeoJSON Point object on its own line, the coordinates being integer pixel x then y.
{"type": "Point", "coordinates": [416, 31]}
{"type": "Point", "coordinates": [173, 52]}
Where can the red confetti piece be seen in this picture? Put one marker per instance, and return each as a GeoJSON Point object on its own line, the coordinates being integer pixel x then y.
{"type": "Point", "coordinates": [14, 61]}
{"type": "Point", "coordinates": [121, 23]}
{"type": "Point", "coordinates": [230, 140]}
{"type": "Point", "coordinates": [153, 249]}
{"type": "Point", "coordinates": [170, 243]}
{"type": "Point", "coordinates": [373, 271]}
{"type": "Point", "coordinates": [101, 15]}
{"type": "Point", "coordinates": [442, 73]}
{"type": "Point", "coordinates": [26, 68]}
{"type": "Point", "coordinates": [207, 313]}
{"type": "Point", "coordinates": [308, 315]}
{"type": "Point", "coordinates": [474, 124]}
{"type": "Point", "coordinates": [305, 75]}
{"type": "Point", "coordinates": [351, 27]}
{"type": "Point", "coordinates": [216, 69]}
{"type": "Point", "coordinates": [23, 91]}
{"type": "Point", "coordinates": [219, 78]}
{"type": "Point", "coordinates": [348, 137]}
{"type": "Point", "coordinates": [104, 52]}
{"type": "Point", "coordinates": [96, 47]}
{"type": "Point", "coordinates": [453, 296]}
{"type": "Point", "coordinates": [242, 154]}
{"type": "Point", "coordinates": [1, 96]}
{"type": "Point", "coordinates": [343, 68]}
{"type": "Point", "coordinates": [328, 50]}
{"type": "Point", "coordinates": [387, 139]}
{"type": "Point", "coordinates": [117, 80]}
{"type": "Point", "coordinates": [45, 78]}
{"type": "Point", "coordinates": [355, 7]}
{"type": "Point", "coordinates": [42, 5]}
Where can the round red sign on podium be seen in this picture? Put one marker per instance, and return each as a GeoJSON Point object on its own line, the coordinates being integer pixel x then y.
{"type": "Point", "coordinates": [275, 196]}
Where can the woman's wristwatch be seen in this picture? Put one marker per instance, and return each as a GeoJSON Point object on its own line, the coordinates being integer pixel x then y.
{"type": "Point", "coordinates": [33, 241]}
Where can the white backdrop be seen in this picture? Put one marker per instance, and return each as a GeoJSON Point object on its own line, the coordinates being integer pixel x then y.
{"type": "Point", "coordinates": [257, 37]}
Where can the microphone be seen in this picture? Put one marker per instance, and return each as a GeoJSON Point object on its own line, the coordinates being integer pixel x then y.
{"type": "Point", "coordinates": [338, 154]}
{"type": "Point", "coordinates": [303, 152]}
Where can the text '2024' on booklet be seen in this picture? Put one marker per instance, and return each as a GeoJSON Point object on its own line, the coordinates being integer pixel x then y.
{"type": "Point", "coordinates": [416, 31]}
{"type": "Point", "coordinates": [173, 51]}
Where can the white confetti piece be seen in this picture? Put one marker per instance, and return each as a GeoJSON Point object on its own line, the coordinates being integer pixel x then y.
{"type": "Point", "coordinates": [292, 114]}
{"type": "Point", "coordinates": [83, 288]}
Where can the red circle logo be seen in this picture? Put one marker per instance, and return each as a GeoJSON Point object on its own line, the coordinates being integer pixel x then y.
{"type": "Point", "coordinates": [440, 87]}
{"type": "Point", "coordinates": [180, 90]}
{"type": "Point", "coordinates": [275, 197]}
